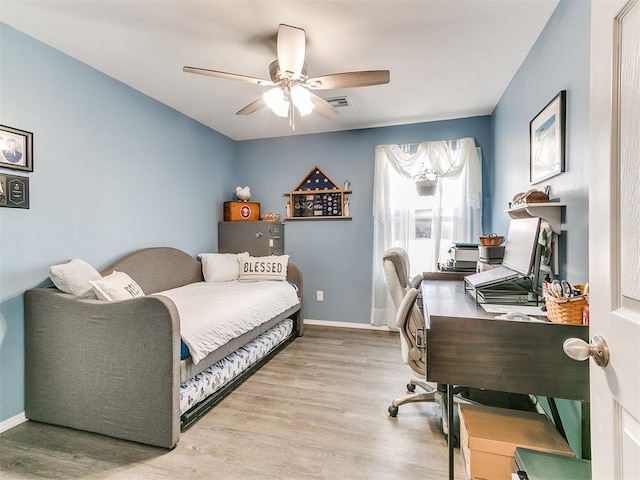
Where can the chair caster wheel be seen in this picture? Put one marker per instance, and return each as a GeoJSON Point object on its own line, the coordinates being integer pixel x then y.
{"type": "Point", "coordinates": [411, 387]}
{"type": "Point", "coordinates": [393, 411]}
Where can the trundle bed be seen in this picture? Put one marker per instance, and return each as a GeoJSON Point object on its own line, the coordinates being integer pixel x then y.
{"type": "Point", "coordinates": [121, 368]}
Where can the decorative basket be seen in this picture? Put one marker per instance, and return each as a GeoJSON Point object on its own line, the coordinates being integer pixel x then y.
{"type": "Point", "coordinates": [491, 240]}
{"type": "Point", "coordinates": [566, 310]}
{"type": "Point", "coordinates": [530, 196]}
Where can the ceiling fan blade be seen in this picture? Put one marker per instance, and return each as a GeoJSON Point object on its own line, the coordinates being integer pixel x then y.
{"type": "Point", "coordinates": [228, 76]}
{"type": "Point", "coordinates": [291, 49]}
{"type": "Point", "coordinates": [252, 107]}
{"type": "Point", "coordinates": [349, 80]}
{"type": "Point", "coordinates": [322, 107]}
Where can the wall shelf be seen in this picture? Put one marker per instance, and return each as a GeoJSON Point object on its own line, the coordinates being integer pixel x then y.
{"type": "Point", "coordinates": [550, 212]}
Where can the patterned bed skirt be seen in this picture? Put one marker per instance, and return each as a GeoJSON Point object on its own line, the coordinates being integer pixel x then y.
{"type": "Point", "coordinates": [196, 389]}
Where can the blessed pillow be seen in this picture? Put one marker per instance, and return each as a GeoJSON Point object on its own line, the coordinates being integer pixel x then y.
{"type": "Point", "coordinates": [258, 269]}
{"type": "Point", "coordinates": [74, 277]}
{"type": "Point", "coordinates": [221, 267]}
{"type": "Point", "coordinates": [117, 286]}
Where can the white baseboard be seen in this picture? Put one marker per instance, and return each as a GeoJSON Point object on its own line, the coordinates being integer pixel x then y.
{"type": "Point", "coordinates": [9, 423]}
{"type": "Point", "coordinates": [332, 323]}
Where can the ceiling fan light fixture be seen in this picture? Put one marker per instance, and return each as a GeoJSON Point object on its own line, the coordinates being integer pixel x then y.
{"type": "Point", "coordinates": [302, 100]}
{"type": "Point", "coordinates": [276, 101]}
{"type": "Point", "coordinates": [291, 87]}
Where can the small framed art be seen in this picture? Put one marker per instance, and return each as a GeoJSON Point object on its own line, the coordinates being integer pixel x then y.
{"type": "Point", "coordinates": [16, 149]}
{"type": "Point", "coordinates": [14, 191]}
{"type": "Point", "coordinates": [547, 140]}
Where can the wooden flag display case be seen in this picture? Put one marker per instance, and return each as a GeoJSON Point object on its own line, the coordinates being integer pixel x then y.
{"type": "Point", "coordinates": [318, 197]}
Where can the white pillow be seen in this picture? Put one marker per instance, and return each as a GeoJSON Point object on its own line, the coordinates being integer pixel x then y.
{"type": "Point", "coordinates": [258, 269]}
{"type": "Point", "coordinates": [117, 286]}
{"type": "Point", "coordinates": [74, 277]}
{"type": "Point", "coordinates": [220, 267]}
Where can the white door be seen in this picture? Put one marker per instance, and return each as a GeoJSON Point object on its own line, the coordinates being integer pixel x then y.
{"type": "Point", "coordinates": [614, 236]}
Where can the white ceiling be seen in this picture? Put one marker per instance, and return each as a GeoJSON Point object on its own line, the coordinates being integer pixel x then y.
{"type": "Point", "coordinates": [447, 58]}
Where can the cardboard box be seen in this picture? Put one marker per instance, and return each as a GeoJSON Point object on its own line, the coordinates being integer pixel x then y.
{"type": "Point", "coordinates": [241, 211]}
{"type": "Point", "coordinates": [490, 435]}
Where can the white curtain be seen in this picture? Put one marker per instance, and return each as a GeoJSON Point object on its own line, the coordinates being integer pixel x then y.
{"type": "Point", "coordinates": [424, 226]}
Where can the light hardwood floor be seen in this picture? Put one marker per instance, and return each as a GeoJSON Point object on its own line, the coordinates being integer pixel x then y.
{"type": "Point", "coordinates": [318, 410]}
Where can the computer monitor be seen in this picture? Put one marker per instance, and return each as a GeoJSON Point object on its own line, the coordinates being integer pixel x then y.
{"type": "Point", "coordinates": [520, 249]}
{"type": "Point", "coordinates": [519, 255]}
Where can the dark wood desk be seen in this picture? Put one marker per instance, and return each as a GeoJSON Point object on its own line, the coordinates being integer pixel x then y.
{"type": "Point", "coordinates": [467, 346]}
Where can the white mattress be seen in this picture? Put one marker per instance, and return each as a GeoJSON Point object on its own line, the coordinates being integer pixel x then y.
{"type": "Point", "coordinates": [212, 313]}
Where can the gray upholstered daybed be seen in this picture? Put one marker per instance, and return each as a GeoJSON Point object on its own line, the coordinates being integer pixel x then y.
{"type": "Point", "coordinates": [114, 368]}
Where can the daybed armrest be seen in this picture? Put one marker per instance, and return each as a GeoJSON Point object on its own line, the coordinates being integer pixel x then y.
{"type": "Point", "coordinates": [294, 275]}
{"type": "Point", "coordinates": [105, 367]}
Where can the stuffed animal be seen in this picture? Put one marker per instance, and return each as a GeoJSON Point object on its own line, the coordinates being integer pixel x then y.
{"type": "Point", "coordinates": [243, 194]}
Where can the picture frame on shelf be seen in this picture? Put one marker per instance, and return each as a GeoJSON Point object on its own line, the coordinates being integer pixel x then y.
{"type": "Point", "coordinates": [16, 149]}
{"type": "Point", "coordinates": [547, 140]}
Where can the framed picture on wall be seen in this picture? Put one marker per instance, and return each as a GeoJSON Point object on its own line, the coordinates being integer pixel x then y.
{"type": "Point", "coordinates": [14, 191]}
{"type": "Point", "coordinates": [547, 140]}
{"type": "Point", "coordinates": [16, 149]}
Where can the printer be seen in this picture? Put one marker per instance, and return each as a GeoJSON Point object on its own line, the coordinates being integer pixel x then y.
{"type": "Point", "coordinates": [463, 257]}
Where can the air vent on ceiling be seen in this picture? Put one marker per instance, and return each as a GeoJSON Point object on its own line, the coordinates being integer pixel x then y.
{"type": "Point", "coordinates": [339, 101]}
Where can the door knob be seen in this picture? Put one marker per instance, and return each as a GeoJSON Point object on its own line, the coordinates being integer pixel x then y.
{"type": "Point", "coordinates": [579, 350]}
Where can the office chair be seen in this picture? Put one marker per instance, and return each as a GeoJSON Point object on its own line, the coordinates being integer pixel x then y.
{"type": "Point", "coordinates": [410, 322]}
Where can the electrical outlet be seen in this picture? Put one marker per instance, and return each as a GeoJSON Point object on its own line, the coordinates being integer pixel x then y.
{"type": "Point", "coordinates": [320, 295]}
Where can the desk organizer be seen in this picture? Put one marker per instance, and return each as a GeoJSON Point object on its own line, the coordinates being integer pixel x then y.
{"type": "Point", "coordinates": [565, 310]}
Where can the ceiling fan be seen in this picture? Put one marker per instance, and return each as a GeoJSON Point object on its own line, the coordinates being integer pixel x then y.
{"type": "Point", "coordinates": [290, 82]}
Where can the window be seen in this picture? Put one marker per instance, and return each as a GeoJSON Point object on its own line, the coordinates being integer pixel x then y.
{"type": "Point", "coordinates": [425, 226]}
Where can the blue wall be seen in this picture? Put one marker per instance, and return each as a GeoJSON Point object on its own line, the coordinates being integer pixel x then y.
{"type": "Point", "coordinates": [113, 171]}
{"type": "Point", "coordinates": [559, 60]}
{"type": "Point", "coordinates": [336, 255]}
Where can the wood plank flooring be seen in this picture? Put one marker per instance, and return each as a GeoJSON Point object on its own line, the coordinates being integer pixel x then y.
{"type": "Point", "coordinates": [318, 410]}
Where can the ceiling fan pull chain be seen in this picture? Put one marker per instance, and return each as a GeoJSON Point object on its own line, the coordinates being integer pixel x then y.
{"type": "Point", "coordinates": [292, 112]}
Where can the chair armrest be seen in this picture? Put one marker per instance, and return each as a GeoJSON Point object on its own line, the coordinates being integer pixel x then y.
{"type": "Point", "coordinates": [416, 281]}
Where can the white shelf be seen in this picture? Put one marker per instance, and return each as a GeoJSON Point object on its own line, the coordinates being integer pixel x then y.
{"type": "Point", "coordinates": [550, 212]}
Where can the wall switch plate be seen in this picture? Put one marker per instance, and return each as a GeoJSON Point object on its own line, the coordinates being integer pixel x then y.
{"type": "Point", "coordinates": [320, 295]}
